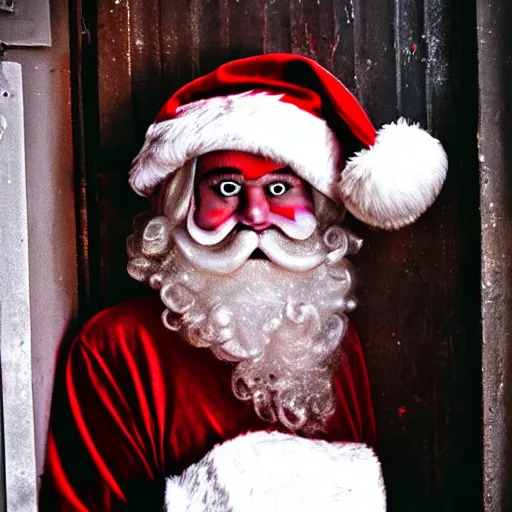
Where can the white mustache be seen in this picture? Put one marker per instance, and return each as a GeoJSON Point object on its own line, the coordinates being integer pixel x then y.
{"type": "Point", "coordinates": [283, 252]}
{"type": "Point", "coordinates": [236, 250]}
{"type": "Point", "coordinates": [220, 260]}
{"type": "Point", "coordinates": [299, 229]}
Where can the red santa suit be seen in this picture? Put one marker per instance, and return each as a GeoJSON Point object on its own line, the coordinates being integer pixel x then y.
{"type": "Point", "coordinates": [135, 403]}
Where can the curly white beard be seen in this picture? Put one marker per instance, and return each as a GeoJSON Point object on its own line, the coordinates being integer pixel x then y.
{"type": "Point", "coordinates": [282, 327]}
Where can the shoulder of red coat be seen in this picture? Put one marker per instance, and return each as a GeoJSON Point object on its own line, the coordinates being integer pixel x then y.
{"type": "Point", "coordinates": [130, 320]}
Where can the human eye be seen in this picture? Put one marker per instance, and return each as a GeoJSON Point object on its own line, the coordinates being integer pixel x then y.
{"type": "Point", "coordinates": [278, 188]}
{"type": "Point", "coordinates": [227, 188]}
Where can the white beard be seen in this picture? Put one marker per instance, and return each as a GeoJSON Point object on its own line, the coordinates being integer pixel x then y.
{"type": "Point", "coordinates": [282, 327]}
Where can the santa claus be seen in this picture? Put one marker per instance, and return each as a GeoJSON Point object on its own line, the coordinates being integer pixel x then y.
{"type": "Point", "coordinates": [249, 170]}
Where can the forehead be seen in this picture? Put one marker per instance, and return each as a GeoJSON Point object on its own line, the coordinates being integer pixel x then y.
{"type": "Point", "coordinates": [251, 166]}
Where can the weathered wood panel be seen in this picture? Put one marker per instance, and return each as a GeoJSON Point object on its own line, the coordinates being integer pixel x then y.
{"type": "Point", "coordinates": [419, 298]}
{"type": "Point", "coordinates": [495, 134]}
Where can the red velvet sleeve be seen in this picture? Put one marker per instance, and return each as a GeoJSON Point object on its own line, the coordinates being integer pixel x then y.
{"type": "Point", "coordinates": [101, 452]}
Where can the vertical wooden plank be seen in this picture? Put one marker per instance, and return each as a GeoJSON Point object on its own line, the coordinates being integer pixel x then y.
{"type": "Point", "coordinates": [146, 64]}
{"type": "Point", "coordinates": [79, 47]}
{"type": "Point", "coordinates": [314, 30]}
{"type": "Point", "coordinates": [445, 54]}
{"type": "Point", "coordinates": [246, 26]}
{"type": "Point", "coordinates": [128, 97]}
{"type": "Point", "coordinates": [114, 72]}
{"type": "Point", "coordinates": [452, 108]}
{"type": "Point", "coordinates": [180, 43]}
{"type": "Point", "coordinates": [115, 130]}
{"type": "Point", "coordinates": [138, 86]}
{"type": "Point", "coordinates": [375, 57]}
{"type": "Point", "coordinates": [411, 58]}
{"type": "Point", "coordinates": [495, 134]}
{"type": "Point", "coordinates": [276, 34]}
{"type": "Point", "coordinates": [343, 52]}
{"type": "Point", "coordinates": [441, 389]}
{"type": "Point", "coordinates": [213, 34]}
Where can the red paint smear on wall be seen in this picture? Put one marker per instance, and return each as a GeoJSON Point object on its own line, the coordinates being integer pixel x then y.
{"type": "Point", "coordinates": [311, 39]}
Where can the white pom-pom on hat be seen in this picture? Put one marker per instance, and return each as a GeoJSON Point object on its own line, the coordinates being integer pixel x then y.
{"type": "Point", "coordinates": [393, 182]}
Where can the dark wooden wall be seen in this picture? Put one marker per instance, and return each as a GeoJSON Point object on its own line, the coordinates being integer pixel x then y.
{"type": "Point", "coordinates": [495, 133]}
{"type": "Point", "coordinates": [418, 288]}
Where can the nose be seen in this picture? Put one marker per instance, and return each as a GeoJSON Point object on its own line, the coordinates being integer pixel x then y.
{"type": "Point", "coordinates": [255, 209]}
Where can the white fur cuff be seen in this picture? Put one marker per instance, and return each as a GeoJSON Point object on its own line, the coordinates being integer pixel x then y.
{"type": "Point", "coordinates": [275, 472]}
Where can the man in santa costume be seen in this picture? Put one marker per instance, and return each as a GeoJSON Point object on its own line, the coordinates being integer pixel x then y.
{"type": "Point", "coordinates": [249, 170]}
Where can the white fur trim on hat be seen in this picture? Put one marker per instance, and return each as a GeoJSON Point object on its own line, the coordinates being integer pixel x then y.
{"type": "Point", "coordinates": [257, 123]}
{"type": "Point", "coordinates": [275, 472]}
{"type": "Point", "coordinates": [391, 184]}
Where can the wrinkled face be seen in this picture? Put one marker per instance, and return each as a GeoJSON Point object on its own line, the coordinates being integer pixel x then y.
{"type": "Point", "coordinates": [235, 187]}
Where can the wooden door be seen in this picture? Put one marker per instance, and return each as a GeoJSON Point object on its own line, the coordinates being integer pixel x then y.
{"type": "Point", "coordinates": [418, 288]}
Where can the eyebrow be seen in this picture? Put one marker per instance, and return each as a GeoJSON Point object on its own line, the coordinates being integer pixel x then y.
{"type": "Point", "coordinates": [283, 170]}
{"type": "Point", "coordinates": [220, 170]}
{"type": "Point", "coordinates": [234, 170]}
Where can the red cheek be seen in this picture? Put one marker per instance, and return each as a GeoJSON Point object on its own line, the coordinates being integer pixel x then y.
{"type": "Point", "coordinates": [284, 211]}
{"type": "Point", "coordinates": [218, 216]}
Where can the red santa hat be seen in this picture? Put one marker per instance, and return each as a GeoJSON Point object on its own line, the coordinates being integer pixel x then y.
{"type": "Point", "coordinates": [290, 109]}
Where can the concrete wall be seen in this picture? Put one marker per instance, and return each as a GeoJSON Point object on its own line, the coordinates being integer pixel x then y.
{"type": "Point", "coordinates": [51, 213]}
